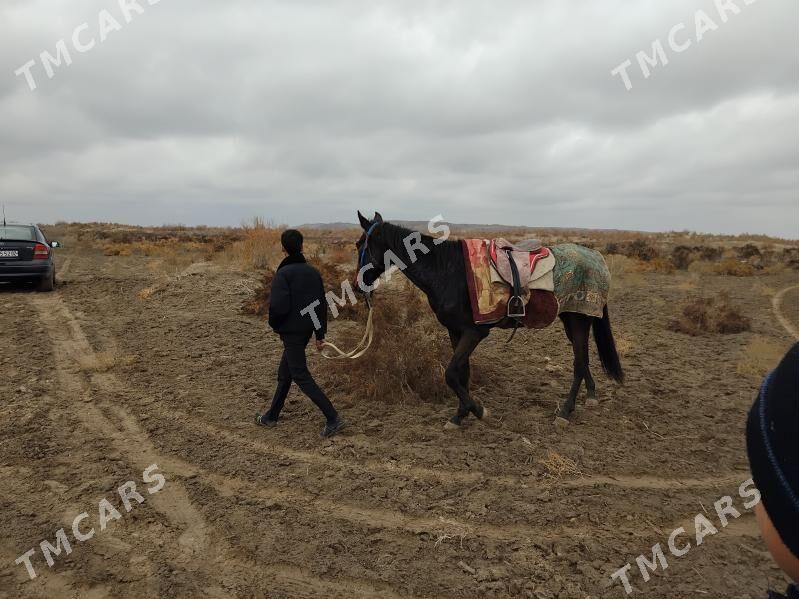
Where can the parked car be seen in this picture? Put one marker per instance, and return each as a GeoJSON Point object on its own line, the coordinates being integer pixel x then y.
{"type": "Point", "coordinates": [26, 255]}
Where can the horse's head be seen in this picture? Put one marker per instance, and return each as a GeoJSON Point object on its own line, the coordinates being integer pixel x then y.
{"type": "Point", "coordinates": [370, 252]}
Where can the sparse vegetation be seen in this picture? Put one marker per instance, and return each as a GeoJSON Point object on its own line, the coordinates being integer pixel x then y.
{"type": "Point", "coordinates": [710, 315]}
{"type": "Point", "coordinates": [558, 466]}
{"type": "Point", "coordinates": [760, 356]}
{"type": "Point", "coordinates": [407, 358]}
{"type": "Point", "coordinates": [734, 268]}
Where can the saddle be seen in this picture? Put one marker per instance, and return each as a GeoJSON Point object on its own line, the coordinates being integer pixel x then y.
{"type": "Point", "coordinates": [515, 264]}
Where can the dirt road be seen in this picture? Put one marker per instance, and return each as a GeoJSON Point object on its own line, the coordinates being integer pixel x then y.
{"type": "Point", "coordinates": [99, 384]}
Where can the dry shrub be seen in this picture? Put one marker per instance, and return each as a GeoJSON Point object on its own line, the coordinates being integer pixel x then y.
{"type": "Point", "coordinates": [734, 268]}
{"type": "Point", "coordinates": [710, 315]}
{"type": "Point", "coordinates": [760, 356]}
{"type": "Point", "coordinates": [407, 358]}
{"type": "Point", "coordinates": [639, 249]}
{"type": "Point", "coordinates": [790, 257]}
{"type": "Point", "coordinates": [684, 256]}
{"type": "Point", "coordinates": [333, 277]}
{"type": "Point", "coordinates": [620, 265]}
{"type": "Point", "coordinates": [659, 265]}
{"type": "Point", "coordinates": [116, 249]}
{"type": "Point", "coordinates": [258, 305]}
{"type": "Point", "coordinates": [748, 251]}
{"type": "Point", "coordinates": [259, 247]}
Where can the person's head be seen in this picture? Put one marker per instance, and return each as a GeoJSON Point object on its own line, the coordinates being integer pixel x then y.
{"type": "Point", "coordinates": [772, 437]}
{"type": "Point", "coordinates": [291, 240]}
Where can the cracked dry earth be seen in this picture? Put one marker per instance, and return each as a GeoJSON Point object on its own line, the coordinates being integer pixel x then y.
{"type": "Point", "coordinates": [98, 384]}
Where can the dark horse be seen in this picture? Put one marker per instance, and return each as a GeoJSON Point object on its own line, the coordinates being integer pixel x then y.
{"type": "Point", "coordinates": [438, 268]}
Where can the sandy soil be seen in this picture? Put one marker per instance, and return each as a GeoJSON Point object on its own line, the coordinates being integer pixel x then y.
{"type": "Point", "coordinates": [98, 384]}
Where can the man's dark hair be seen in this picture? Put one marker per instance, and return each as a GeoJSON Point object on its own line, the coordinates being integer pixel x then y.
{"type": "Point", "coordinates": [292, 241]}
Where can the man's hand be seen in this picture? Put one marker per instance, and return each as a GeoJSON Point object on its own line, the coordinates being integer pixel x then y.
{"type": "Point", "coordinates": [320, 344]}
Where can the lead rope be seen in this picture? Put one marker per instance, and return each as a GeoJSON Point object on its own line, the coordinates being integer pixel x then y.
{"type": "Point", "coordinates": [363, 345]}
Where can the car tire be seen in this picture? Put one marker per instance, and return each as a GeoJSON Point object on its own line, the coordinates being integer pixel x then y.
{"type": "Point", "coordinates": [47, 283]}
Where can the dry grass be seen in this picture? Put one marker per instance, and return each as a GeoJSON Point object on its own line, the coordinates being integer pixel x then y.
{"type": "Point", "coordinates": [624, 271]}
{"type": "Point", "coordinates": [658, 265]}
{"type": "Point", "coordinates": [259, 247]}
{"type": "Point", "coordinates": [146, 293]}
{"type": "Point", "coordinates": [103, 361]}
{"type": "Point", "coordinates": [760, 356]}
{"type": "Point", "coordinates": [734, 268]}
{"type": "Point", "coordinates": [710, 315]}
{"type": "Point", "coordinates": [407, 358]}
{"type": "Point", "coordinates": [624, 345]}
{"type": "Point", "coordinates": [687, 285]}
{"type": "Point", "coordinates": [559, 466]}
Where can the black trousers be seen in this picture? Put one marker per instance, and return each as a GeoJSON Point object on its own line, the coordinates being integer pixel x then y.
{"type": "Point", "coordinates": [294, 368]}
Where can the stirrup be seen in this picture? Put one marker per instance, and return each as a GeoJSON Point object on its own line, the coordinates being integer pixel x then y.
{"type": "Point", "coordinates": [516, 307]}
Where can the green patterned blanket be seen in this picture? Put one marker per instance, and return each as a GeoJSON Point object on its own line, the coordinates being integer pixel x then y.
{"type": "Point", "coordinates": [582, 279]}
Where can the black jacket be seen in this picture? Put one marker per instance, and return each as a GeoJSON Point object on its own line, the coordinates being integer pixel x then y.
{"type": "Point", "coordinates": [793, 593]}
{"type": "Point", "coordinates": [296, 286]}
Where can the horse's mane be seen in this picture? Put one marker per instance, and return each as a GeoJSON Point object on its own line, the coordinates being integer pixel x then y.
{"type": "Point", "coordinates": [394, 236]}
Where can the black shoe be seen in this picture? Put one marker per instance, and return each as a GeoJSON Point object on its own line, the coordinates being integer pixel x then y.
{"type": "Point", "coordinates": [333, 428]}
{"type": "Point", "coordinates": [262, 420]}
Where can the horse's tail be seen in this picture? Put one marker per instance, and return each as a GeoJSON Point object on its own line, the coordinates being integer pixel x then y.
{"type": "Point", "coordinates": [606, 345]}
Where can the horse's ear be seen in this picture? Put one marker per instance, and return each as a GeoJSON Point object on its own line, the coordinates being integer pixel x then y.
{"type": "Point", "coordinates": [364, 221]}
{"type": "Point", "coordinates": [378, 217]}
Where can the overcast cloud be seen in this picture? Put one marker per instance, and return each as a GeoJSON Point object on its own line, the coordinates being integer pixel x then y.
{"type": "Point", "coordinates": [201, 111]}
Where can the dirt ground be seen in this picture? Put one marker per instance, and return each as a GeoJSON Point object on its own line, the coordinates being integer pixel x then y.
{"type": "Point", "coordinates": [99, 383]}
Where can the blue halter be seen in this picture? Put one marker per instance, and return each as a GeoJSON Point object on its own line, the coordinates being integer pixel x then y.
{"type": "Point", "coordinates": [362, 259]}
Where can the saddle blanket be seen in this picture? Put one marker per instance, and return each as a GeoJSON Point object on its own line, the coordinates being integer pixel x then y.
{"type": "Point", "coordinates": [582, 279]}
{"type": "Point", "coordinates": [489, 293]}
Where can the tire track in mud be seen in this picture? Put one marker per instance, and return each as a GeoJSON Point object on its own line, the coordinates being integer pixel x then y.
{"type": "Point", "coordinates": [368, 516]}
{"type": "Point", "coordinates": [61, 271]}
{"type": "Point", "coordinates": [56, 582]}
{"type": "Point", "coordinates": [71, 348]}
{"type": "Point", "coordinates": [52, 583]}
{"type": "Point", "coordinates": [776, 304]}
{"type": "Point", "coordinates": [382, 468]}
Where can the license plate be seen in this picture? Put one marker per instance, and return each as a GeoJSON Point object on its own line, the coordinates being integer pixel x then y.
{"type": "Point", "coordinates": [9, 253]}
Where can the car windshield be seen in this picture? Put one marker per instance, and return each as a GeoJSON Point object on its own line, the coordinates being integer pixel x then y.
{"type": "Point", "coordinates": [17, 233]}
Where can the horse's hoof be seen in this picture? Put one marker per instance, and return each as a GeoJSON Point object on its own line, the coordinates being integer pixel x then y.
{"type": "Point", "coordinates": [591, 403]}
{"type": "Point", "coordinates": [486, 415]}
{"type": "Point", "coordinates": [451, 426]}
{"type": "Point", "coordinates": [561, 423]}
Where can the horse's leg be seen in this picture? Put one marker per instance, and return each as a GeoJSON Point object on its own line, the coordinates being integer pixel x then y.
{"type": "Point", "coordinates": [457, 373]}
{"type": "Point", "coordinates": [477, 408]}
{"type": "Point", "coordinates": [463, 410]}
{"type": "Point", "coordinates": [577, 330]}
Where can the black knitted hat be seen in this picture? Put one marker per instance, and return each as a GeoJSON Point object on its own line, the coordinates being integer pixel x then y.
{"type": "Point", "coordinates": [772, 436]}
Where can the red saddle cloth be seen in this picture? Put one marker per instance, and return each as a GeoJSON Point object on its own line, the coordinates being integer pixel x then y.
{"type": "Point", "coordinates": [489, 301]}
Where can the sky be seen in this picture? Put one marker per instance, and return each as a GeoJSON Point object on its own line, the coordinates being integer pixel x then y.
{"type": "Point", "coordinates": [209, 112]}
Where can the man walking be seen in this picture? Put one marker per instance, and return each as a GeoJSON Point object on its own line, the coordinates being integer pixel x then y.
{"type": "Point", "coordinates": [297, 286]}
